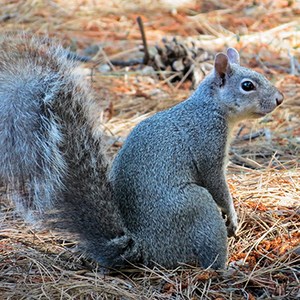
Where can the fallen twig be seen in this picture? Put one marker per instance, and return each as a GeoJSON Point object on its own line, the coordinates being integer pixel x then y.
{"type": "Point", "coordinates": [146, 51]}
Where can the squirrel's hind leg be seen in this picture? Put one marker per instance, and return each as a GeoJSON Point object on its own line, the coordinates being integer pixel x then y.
{"type": "Point", "coordinates": [208, 231]}
{"type": "Point", "coordinates": [205, 230]}
{"type": "Point", "coordinates": [189, 230]}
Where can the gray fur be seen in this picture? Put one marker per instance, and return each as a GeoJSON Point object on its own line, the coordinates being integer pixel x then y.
{"type": "Point", "coordinates": [167, 184]}
{"type": "Point", "coordinates": [51, 151]}
{"type": "Point", "coordinates": [162, 175]}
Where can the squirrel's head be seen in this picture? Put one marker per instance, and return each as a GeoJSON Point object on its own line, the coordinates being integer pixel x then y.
{"type": "Point", "coordinates": [245, 93]}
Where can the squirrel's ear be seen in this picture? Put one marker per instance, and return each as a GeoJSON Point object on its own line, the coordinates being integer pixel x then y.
{"type": "Point", "coordinates": [221, 64]}
{"type": "Point", "coordinates": [233, 56]}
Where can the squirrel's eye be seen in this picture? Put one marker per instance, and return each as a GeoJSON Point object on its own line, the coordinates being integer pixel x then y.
{"type": "Point", "coordinates": [247, 86]}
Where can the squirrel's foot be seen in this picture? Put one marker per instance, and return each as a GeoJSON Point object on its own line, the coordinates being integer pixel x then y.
{"type": "Point", "coordinates": [231, 230]}
{"type": "Point", "coordinates": [232, 224]}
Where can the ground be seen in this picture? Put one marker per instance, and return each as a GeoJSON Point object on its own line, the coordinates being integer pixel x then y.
{"type": "Point", "coordinates": [263, 172]}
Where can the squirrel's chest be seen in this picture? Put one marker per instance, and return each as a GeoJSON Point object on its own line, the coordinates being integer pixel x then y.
{"type": "Point", "coordinates": [208, 147]}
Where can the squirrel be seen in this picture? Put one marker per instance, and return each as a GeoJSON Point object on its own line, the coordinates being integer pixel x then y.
{"type": "Point", "coordinates": [163, 198]}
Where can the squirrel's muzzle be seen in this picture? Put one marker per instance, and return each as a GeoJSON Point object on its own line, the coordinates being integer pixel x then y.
{"type": "Point", "coordinates": [279, 97]}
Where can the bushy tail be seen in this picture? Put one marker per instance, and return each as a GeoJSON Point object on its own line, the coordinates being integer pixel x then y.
{"type": "Point", "coordinates": [30, 156]}
{"type": "Point", "coordinates": [51, 152]}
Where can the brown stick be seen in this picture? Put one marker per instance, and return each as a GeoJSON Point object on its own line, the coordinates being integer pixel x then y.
{"type": "Point", "coordinates": [141, 27]}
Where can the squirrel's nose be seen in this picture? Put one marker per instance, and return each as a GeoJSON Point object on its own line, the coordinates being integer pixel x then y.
{"type": "Point", "coordinates": [279, 98]}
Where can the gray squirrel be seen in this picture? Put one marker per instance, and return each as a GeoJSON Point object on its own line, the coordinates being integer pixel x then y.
{"type": "Point", "coordinates": [161, 202]}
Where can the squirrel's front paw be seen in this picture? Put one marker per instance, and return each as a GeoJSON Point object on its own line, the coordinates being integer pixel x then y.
{"type": "Point", "coordinates": [232, 225]}
{"type": "Point", "coordinates": [231, 229]}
